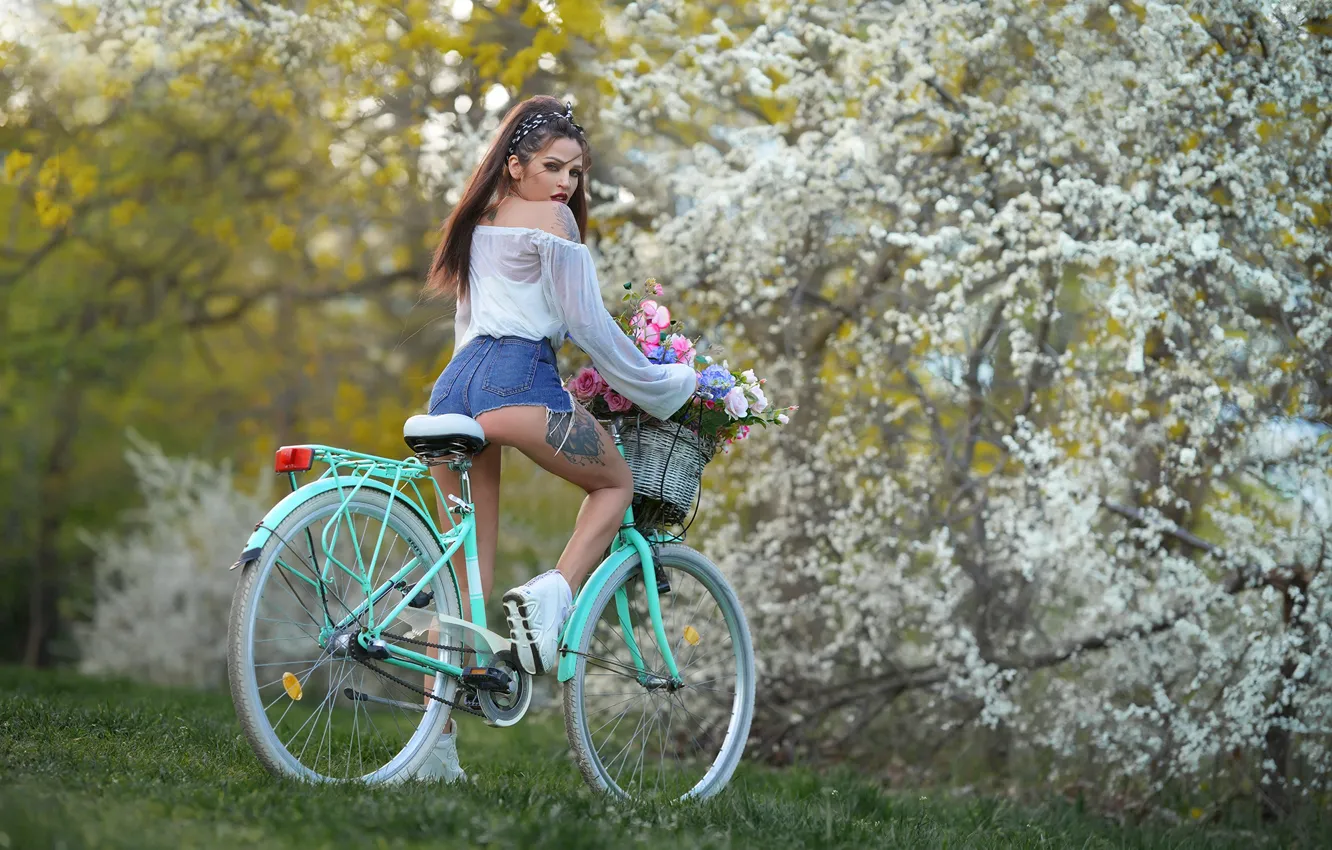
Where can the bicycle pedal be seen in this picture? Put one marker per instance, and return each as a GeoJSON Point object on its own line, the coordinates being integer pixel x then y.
{"type": "Point", "coordinates": [487, 679]}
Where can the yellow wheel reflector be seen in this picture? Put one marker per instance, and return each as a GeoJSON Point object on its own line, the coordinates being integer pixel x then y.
{"type": "Point", "coordinates": [292, 684]}
{"type": "Point", "coordinates": [691, 635]}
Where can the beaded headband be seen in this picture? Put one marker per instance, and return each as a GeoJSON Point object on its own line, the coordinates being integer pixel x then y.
{"type": "Point", "coordinates": [537, 120]}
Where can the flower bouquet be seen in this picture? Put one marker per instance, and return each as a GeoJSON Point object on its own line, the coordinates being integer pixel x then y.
{"type": "Point", "coordinates": [667, 458]}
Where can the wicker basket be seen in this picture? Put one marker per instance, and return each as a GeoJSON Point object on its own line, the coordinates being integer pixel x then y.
{"type": "Point", "coordinates": [667, 461]}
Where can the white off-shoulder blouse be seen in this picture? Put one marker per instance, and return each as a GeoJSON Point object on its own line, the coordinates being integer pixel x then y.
{"type": "Point", "coordinates": [532, 284]}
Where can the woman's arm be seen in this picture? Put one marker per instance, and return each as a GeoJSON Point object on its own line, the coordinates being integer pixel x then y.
{"type": "Point", "coordinates": [571, 284]}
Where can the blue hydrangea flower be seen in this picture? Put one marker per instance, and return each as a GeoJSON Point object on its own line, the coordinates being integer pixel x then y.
{"type": "Point", "coordinates": [715, 382]}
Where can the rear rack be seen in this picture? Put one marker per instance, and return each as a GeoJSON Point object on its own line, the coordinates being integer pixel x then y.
{"type": "Point", "coordinates": [402, 475]}
{"type": "Point", "coordinates": [345, 462]}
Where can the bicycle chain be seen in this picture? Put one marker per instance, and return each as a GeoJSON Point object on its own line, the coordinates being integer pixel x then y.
{"type": "Point", "coordinates": [422, 691]}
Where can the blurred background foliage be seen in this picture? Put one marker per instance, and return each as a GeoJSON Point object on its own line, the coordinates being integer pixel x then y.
{"type": "Point", "coordinates": [226, 252]}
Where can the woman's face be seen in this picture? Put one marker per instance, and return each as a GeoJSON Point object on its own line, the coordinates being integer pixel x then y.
{"type": "Point", "coordinates": [551, 175]}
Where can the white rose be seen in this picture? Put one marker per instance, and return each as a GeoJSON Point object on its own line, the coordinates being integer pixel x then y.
{"type": "Point", "coordinates": [760, 402]}
{"type": "Point", "coordinates": [736, 405]}
{"type": "Point", "coordinates": [782, 419]}
{"type": "Point", "coordinates": [748, 378]}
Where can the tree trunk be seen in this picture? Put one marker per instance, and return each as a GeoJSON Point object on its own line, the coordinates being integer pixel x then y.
{"type": "Point", "coordinates": [1274, 792]}
{"type": "Point", "coordinates": [42, 615]}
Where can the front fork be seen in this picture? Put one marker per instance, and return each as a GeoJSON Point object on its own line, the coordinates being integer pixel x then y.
{"type": "Point", "coordinates": [631, 537]}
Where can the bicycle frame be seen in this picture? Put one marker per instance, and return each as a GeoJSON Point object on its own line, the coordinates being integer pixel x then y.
{"type": "Point", "coordinates": [350, 472]}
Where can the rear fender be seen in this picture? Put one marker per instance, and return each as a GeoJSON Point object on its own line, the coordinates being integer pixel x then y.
{"type": "Point", "coordinates": [279, 512]}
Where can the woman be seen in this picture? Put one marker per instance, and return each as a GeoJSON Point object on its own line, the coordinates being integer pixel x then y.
{"type": "Point", "coordinates": [512, 257]}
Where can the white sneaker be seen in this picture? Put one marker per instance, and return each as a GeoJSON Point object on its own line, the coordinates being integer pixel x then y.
{"type": "Point", "coordinates": [536, 612]}
{"type": "Point", "coordinates": [442, 763]}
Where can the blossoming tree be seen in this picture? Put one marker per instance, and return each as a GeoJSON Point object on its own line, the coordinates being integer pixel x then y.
{"type": "Point", "coordinates": [1040, 276]}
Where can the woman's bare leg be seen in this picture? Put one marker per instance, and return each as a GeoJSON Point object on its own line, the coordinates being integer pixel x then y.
{"type": "Point", "coordinates": [577, 449]}
{"type": "Point", "coordinates": [485, 480]}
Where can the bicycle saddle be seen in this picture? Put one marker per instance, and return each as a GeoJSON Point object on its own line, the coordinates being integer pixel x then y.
{"type": "Point", "coordinates": [448, 432]}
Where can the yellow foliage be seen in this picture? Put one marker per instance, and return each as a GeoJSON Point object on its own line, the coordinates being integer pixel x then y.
{"type": "Point", "coordinates": [985, 457]}
{"type": "Point", "coordinates": [51, 213]}
{"type": "Point", "coordinates": [82, 180]}
{"type": "Point", "coordinates": [282, 238]}
{"type": "Point", "coordinates": [580, 18]}
{"type": "Point", "coordinates": [16, 163]}
{"type": "Point", "coordinates": [123, 213]}
{"type": "Point", "coordinates": [777, 111]}
{"type": "Point", "coordinates": [1116, 403]}
{"type": "Point", "coordinates": [78, 18]}
{"type": "Point", "coordinates": [184, 85]}
{"type": "Point", "coordinates": [325, 260]}
{"type": "Point", "coordinates": [488, 58]}
{"type": "Point", "coordinates": [48, 177]}
{"type": "Point", "coordinates": [224, 231]}
{"type": "Point", "coordinates": [282, 179]}
{"type": "Point", "coordinates": [402, 256]}
{"type": "Point", "coordinates": [533, 15]}
{"type": "Point", "coordinates": [1319, 26]}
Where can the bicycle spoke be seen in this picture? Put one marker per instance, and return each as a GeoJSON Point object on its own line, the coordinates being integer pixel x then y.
{"type": "Point", "coordinates": [663, 737]}
{"type": "Point", "coordinates": [324, 710]}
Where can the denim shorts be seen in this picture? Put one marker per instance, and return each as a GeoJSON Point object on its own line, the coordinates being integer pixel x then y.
{"type": "Point", "coordinates": [492, 372]}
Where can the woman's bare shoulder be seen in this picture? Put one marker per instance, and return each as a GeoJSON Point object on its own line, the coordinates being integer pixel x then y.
{"type": "Point", "coordinates": [551, 216]}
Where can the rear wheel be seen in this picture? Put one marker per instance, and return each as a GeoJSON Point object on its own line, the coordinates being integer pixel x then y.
{"type": "Point", "coordinates": [638, 734]}
{"type": "Point", "coordinates": [308, 698]}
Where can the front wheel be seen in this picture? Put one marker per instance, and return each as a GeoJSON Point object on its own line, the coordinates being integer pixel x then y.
{"type": "Point", "coordinates": [633, 731]}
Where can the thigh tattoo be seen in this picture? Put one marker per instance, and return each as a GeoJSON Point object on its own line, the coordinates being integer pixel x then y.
{"type": "Point", "coordinates": [575, 436]}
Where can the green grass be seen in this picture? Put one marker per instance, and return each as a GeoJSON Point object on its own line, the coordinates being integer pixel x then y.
{"type": "Point", "coordinates": [90, 763]}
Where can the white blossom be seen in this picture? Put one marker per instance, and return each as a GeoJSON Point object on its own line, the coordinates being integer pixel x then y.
{"type": "Point", "coordinates": [1034, 275]}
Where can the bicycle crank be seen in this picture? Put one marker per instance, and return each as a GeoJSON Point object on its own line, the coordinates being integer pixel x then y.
{"type": "Point", "coordinates": [507, 706]}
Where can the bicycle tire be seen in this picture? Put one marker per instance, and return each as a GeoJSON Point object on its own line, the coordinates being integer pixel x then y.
{"type": "Point", "coordinates": [242, 673]}
{"type": "Point", "coordinates": [593, 767]}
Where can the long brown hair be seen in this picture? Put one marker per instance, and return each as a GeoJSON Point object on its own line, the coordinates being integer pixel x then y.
{"type": "Point", "coordinates": [491, 181]}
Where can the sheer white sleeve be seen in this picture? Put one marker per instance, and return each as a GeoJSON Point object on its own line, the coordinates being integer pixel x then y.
{"type": "Point", "coordinates": [570, 279]}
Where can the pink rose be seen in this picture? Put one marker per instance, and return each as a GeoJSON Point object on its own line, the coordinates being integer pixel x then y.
{"type": "Point", "coordinates": [587, 385]}
{"type": "Point", "coordinates": [655, 315]}
{"type": "Point", "coordinates": [736, 403]}
{"type": "Point", "coordinates": [683, 348]}
{"type": "Point", "coordinates": [616, 402]}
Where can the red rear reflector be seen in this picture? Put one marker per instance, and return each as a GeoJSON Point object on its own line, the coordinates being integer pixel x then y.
{"type": "Point", "coordinates": [293, 459]}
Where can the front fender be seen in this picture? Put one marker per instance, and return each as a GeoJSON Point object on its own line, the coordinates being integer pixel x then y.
{"type": "Point", "coordinates": [299, 496]}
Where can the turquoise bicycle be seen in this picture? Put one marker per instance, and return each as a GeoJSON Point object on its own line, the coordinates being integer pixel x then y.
{"type": "Point", "coordinates": [348, 647]}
